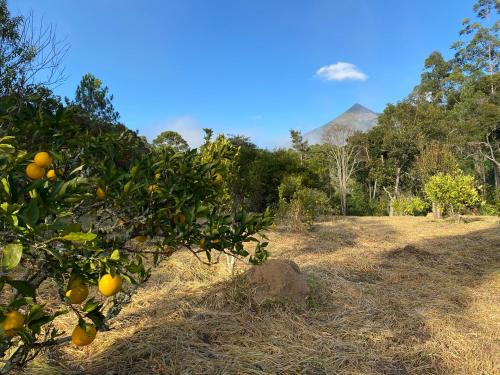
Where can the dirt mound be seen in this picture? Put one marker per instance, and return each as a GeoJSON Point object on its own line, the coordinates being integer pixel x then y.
{"type": "Point", "coordinates": [411, 250]}
{"type": "Point", "coordinates": [277, 280]}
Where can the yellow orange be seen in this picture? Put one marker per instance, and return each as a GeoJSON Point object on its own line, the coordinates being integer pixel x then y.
{"type": "Point", "coordinates": [82, 337]}
{"type": "Point", "coordinates": [110, 285]}
{"type": "Point", "coordinates": [202, 242]}
{"type": "Point", "coordinates": [140, 239]}
{"type": "Point", "coordinates": [153, 188]}
{"type": "Point", "coordinates": [51, 175]}
{"type": "Point", "coordinates": [101, 195]}
{"type": "Point", "coordinates": [217, 178]}
{"type": "Point", "coordinates": [179, 218]}
{"type": "Point", "coordinates": [42, 159]}
{"type": "Point", "coordinates": [34, 172]}
{"type": "Point", "coordinates": [13, 320]}
{"type": "Point", "coordinates": [78, 294]}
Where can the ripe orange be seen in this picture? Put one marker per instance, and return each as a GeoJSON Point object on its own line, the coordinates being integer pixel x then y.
{"type": "Point", "coordinates": [179, 218]}
{"type": "Point", "coordinates": [217, 178]}
{"type": "Point", "coordinates": [13, 320]}
{"type": "Point", "coordinates": [153, 188]}
{"type": "Point", "coordinates": [140, 239]}
{"type": "Point", "coordinates": [51, 175]}
{"type": "Point", "coordinates": [109, 285]}
{"type": "Point", "coordinates": [34, 172]}
{"type": "Point", "coordinates": [82, 337]}
{"type": "Point", "coordinates": [42, 159]}
{"type": "Point", "coordinates": [101, 195]}
{"type": "Point", "coordinates": [202, 242]}
{"type": "Point", "coordinates": [78, 294]}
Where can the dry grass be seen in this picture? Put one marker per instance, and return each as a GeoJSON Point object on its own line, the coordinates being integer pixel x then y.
{"type": "Point", "coordinates": [391, 296]}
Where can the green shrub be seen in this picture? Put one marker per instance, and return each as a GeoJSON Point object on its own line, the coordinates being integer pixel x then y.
{"type": "Point", "coordinates": [305, 206]}
{"type": "Point", "coordinates": [489, 209]}
{"type": "Point", "coordinates": [410, 205]}
{"type": "Point", "coordinates": [452, 193]}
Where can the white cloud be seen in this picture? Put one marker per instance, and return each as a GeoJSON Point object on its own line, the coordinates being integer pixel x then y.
{"type": "Point", "coordinates": [341, 71]}
{"type": "Point", "coordinates": [187, 126]}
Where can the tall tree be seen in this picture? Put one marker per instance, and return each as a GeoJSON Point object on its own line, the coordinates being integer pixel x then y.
{"type": "Point", "coordinates": [299, 144]}
{"type": "Point", "coordinates": [171, 139]}
{"type": "Point", "coordinates": [94, 99]}
{"type": "Point", "coordinates": [477, 53]}
{"type": "Point", "coordinates": [344, 159]}
{"type": "Point", "coordinates": [30, 54]}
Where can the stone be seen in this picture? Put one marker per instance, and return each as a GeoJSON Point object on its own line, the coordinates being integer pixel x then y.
{"type": "Point", "coordinates": [278, 280]}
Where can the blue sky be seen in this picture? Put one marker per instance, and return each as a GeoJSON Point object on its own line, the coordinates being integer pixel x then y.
{"type": "Point", "coordinates": [248, 66]}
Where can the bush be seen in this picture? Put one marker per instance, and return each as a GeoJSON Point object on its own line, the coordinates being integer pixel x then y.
{"type": "Point", "coordinates": [305, 206]}
{"type": "Point", "coordinates": [405, 205]}
{"type": "Point", "coordinates": [452, 193]}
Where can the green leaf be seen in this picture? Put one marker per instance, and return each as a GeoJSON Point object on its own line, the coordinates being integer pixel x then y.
{"type": "Point", "coordinates": [79, 237]}
{"type": "Point", "coordinates": [6, 185]}
{"type": "Point", "coordinates": [23, 287]}
{"type": "Point", "coordinates": [32, 213]}
{"type": "Point", "coordinates": [115, 255]}
{"type": "Point", "coordinates": [91, 305]}
{"type": "Point", "coordinates": [11, 255]}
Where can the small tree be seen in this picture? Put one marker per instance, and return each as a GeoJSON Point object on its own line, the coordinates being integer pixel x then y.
{"type": "Point", "coordinates": [343, 158]}
{"type": "Point", "coordinates": [172, 139]}
{"type": "Point", "coordinates": [452, 193]}
{"type": "Point", "coordinates": [94, 99]}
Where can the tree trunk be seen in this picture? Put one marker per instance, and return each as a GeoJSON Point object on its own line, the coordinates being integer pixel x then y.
{"type": "Point", "coordinates": [436, 211]}
{"type": "Point", "coordinates": [496, 171]}
{"type": "Point", "coordinates": [343, 202]}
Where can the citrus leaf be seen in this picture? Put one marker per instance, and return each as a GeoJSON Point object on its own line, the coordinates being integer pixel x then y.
{"type": "Point", "coordinates": [23, 287]}
{"type": "Point", "coordinates": [115, 255]}
{"type": "Point", "coordinates": [79, 237]}
{"type": "Point", "coordinates": [11, 255]}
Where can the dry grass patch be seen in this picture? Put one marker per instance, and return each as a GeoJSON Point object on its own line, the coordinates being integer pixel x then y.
{"type": "Point", "coordinates": [391, 296]}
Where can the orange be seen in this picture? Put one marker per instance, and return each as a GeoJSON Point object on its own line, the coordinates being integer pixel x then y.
{"type": "Point", "coordinates": [202, 242]}
{"type": "Point", "coordinates": [101, 195]}
{"type": "Point", "coordinates": [140, 239]}
{"type": "Point", "coordinates": [153, 188]}
{"type": "Point", "coordinates": [34, 172]}
{"type": "Point", "coordinates": [13, 320]}
{"type": "Point", "coordinates": [78, 294]}
{"type": "Point", "coordinates": [82, 337]}
{"type": "Point", "coordinates": [51, 175]}
{"type": "Point", "coordinates": [217, 178]}
{"type": "Point", "coordinates": [110, 285]}
{"type": "Point", "coordinates": [179, 218]}
{"type": "Point", "coordinates": [42, 159]}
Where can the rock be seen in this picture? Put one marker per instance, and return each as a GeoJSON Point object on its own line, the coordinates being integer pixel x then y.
{"type": "Point", "coordinates": [278, 280]}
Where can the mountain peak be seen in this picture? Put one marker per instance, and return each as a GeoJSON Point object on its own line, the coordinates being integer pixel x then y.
{"type": "Point", "coordinates": [358, 108]}
{"type": "Point", "coordinates": [359, 117]}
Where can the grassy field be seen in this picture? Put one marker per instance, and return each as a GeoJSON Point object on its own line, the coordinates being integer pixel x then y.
{"type": "Point", "coordinates": [403, 295]}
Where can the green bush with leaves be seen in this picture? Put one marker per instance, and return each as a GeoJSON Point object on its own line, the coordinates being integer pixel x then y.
{"type": "Point", "coordinates": [410, 205]}
{"type": "Point", "coordinates": [300, 204]}
{"type": "Point", "coordinates": [452, 193]}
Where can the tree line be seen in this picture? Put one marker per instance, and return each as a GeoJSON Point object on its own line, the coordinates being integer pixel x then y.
{"type": "Point", "coordinates": [448, 126]}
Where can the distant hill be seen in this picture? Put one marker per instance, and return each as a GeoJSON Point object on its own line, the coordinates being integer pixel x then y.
{"type": "Point", "coordinates": [361, 118]}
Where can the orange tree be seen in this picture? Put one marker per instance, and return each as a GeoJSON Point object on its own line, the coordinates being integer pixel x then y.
{"type": "Point", "coordinates": [73, 195]}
